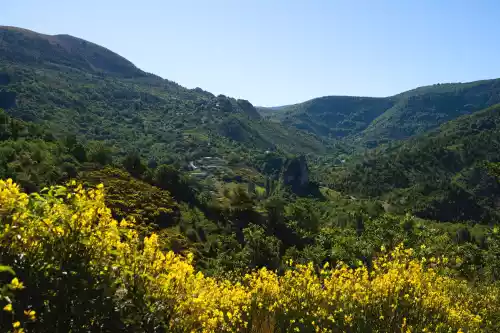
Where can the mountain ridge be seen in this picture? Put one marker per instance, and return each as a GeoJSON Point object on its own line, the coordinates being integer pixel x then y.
{"type": "Point", "coordinates": [89, 90]}
{"type": "Point", "coordinates": [137, 111]}
{"type": "Point", "coordinates": [359, 121]}
{"type": "Point", "coordinates": [403, 115]}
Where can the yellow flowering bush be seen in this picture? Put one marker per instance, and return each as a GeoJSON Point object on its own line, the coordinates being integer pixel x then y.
{"type": "Point", "coordinates": [8, 313]}
{"type": "Point", "coordinates": [156, 291]}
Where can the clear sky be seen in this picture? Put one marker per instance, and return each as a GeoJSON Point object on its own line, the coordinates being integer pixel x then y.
{"type": "Point", "coordinates": [275, 52]}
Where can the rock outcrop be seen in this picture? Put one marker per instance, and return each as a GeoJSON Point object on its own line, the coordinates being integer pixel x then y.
{"type": "Point", "coordinates": [296, 174]}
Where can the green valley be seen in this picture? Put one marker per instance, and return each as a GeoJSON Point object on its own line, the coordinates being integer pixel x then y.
{"type": "Point", "coordinates": [129, 203]}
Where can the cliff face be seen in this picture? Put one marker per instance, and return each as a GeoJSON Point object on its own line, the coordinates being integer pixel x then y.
{"type": "Point", "coordinates": [296, 174]}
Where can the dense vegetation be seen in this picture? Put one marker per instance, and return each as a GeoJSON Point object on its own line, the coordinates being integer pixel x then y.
{"type": "Point", "coordinates": [132, 204]}
{"type": "Point", "coordinates": [85, 271]}
{"type": "Point", "coordinates": [373, 121]}
{"type": "Point", "coordinates": [442, 175]}
{"type": "Point", "coordinates": [76, 87]}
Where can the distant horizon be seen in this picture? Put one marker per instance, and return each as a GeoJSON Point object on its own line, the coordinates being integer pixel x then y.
{"type": "Point", "coordinates": [284, 52]}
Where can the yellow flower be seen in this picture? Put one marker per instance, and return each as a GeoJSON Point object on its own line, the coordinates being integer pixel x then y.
{"type": "Point", "coordinates": [8, 308]}
{"type": "Point", "coordinates": [15, 284]}
{"type": "Point", "coordinates": [30, 313]}
{"type": "Point", "coordinates": [16, 324]}
{"type": "Point", "coordinates": [398, 283]}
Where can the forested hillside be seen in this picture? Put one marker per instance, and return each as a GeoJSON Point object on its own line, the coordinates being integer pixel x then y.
{"type": "Point", "coordinates": [369, 122]}
{"type": "Point", "coordinates": [129, 203]}
{"type": "Point", "coordinates": [332, 116]}
{"type": "Point", "coordinates": [74, 86]}
{"type": "Point", "coordinates": [442, 175]}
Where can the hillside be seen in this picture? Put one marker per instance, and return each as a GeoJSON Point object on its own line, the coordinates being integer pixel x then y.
{"type": "Point", "coordinates": [75, 86]}
{"type": "Point", "coordinates": [425, 108]}
{"type": "Point", "coordinates": [25, 46]}
{"type": "Point", "coordinates": [332, 116]}
{"type": "Point", "coordinates": [129, 203]}
{"type": "Point", "coordinates": [371, 121]}
{"type": "Point", "coordinates": [440, 175]}
{"type": "Point", "coordinates": [70, 86]}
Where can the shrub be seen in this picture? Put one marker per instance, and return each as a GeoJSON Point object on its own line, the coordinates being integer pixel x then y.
{"type": "Point", "coordinates": [85, 271]}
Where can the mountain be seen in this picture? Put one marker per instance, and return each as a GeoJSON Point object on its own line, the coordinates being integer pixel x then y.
{"type": "Point", "coordinates": [129, 203]}
{"type": "Point", "coordinates": [74, 86]}
{"type": "Point", "coordinates": [373, 121]}
{"type": "Point", "coordinates": [25, 46]}
{"type": "Point", "coordinates": [70, 86]}
{"type": "Point", "coordinates": [441, 175]}
{"type": "Point", "coordinates": [332, 116]}
{"type": "Point", "coordinates": [425, 108]}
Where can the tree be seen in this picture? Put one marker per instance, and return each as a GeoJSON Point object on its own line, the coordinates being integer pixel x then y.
{"type": "Point", "coordinates": [261, 249]}
{"type": "Point", "coordinates": [101, 154]}
{"type": "Point", "coordinates": [133, 164]}
{"type": "Point", "coordinates": [169, 178]}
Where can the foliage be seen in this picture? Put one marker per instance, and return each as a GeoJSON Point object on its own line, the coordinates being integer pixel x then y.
{"type": "Point", "coordinates": [133, 164]}
{"type": "Point", "coordinates": [191, 222]}
{"type": "Point", "coordinates": [78, 88]}
{"type": "Point", "coordinates": [440, 176]}
{"type": "Point", "coordinates": [260, 250]}
{"type": "Point", "coordinates": [71, 244]}
{"type": "Point", "coordinates": [30, 155]}
{"type": "Point", "coordinates": [10, 319]}
{"type": "Point", "coordinates": [331, 116]}
{"type": "Point", "coordinates": [132, 198]}
{"type": "Point", "coordinates": [369, 122]}
{"type": "Point", "coordinates": [169, 178]}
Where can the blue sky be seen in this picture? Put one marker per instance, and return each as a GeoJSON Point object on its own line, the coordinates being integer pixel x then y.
{"type": "Point", "coordinates": [275, 52]}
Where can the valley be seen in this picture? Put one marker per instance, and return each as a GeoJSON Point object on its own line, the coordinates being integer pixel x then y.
{"type": "Point", "coordinates": [158, 208]}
